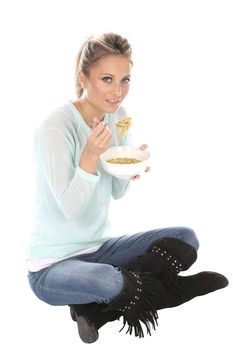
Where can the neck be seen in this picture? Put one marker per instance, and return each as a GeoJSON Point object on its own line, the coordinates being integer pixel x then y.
{"type": "Point", "coordinates": [87, 110]}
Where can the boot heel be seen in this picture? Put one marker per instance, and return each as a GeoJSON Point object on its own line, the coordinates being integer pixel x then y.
{"type": "Point", "coordinates": [87, 331]}
{"type": "Point", "coordinates": [90, 318]}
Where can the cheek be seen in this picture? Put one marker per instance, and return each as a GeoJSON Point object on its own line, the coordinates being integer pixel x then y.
{"type": "Point", "coordinates": [125, 89]}
{"type": "Point", "coordinates": [98, 89]}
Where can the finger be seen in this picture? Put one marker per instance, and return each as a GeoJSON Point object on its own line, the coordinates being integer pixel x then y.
{"type": "Point", "coordinates": [105, 140]}
{"type": "Point", "coordinates": [96, 121]}
{"type": "Point", "coordinates": [144, 146]}
{"type": "Point", "coordinates": [104, 136]}
{"type": "Point", "coordinates": [98, 129]}
{"type": "Point", "coordinates": [105, 132]}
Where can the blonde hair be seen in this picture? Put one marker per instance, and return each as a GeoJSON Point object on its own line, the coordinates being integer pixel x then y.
{"type": "Point", "coordinates": [96, 47]}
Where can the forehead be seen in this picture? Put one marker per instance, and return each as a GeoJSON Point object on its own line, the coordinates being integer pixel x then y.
{"type": "Point", "coordinates": [112, 64]}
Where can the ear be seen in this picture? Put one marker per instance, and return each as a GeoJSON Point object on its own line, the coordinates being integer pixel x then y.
{"type": "Point", "coordinates": [82, 79]}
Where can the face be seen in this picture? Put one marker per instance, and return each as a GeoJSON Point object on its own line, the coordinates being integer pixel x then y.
{"type": "Point", "coordinates": [107, 83]}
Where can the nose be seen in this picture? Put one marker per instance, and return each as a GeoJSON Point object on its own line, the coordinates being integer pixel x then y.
{"type": "Point", "coordinates": [117, 90]}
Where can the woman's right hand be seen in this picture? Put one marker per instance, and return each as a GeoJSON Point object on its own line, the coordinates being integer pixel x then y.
{"type": "Point", "coordinates": [98, 141]}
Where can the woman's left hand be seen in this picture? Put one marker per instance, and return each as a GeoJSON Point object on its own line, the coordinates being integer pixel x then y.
{"type": "Point", "coordinates": [142, 147]}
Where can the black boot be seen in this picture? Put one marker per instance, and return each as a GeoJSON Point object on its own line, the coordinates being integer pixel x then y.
{"type": "Point", "coordinates": [90, 318]}
{"type": "Point", "coordinates": [165, 258]}
{"type": "Point", "coordinates": [136, 303]}
{"type": "Point", "coordinates": [183, 289]}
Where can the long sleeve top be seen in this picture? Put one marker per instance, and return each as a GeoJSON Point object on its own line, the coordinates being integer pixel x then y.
{"type": "Point", "coordinates": [71, 205]}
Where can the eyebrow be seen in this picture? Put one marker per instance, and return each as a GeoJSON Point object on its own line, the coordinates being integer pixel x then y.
{"type": "Point", "coordinates": [111, 75]}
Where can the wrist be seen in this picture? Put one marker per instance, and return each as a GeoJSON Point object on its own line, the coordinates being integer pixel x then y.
{"type": "Point", "coordinates": [89, 162]}
{"type": "Point", "coordinates": [92, 157]}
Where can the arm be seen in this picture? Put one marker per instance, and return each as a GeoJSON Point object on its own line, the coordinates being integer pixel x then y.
{"type": "Point", "coordinates": [71, 186]}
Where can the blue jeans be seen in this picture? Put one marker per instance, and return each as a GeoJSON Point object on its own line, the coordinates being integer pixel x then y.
{"type": "Point", "coordinates": [93, 277]}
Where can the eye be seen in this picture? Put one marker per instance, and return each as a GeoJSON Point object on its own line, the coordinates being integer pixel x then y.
{"type": "Point", "coordinates": [107, 79]}
{"type": "Point", "coordinates": [126, 81]}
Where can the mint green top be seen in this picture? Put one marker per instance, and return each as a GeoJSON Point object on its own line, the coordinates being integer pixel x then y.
{"type": "Point", "coordinates": [71, 206]}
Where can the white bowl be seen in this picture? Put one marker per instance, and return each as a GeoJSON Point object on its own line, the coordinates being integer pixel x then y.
{"type": "Point", "coordinates": [125, 171]}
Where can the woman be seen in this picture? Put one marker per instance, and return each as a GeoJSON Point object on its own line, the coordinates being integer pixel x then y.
{"type": "Point", "coordinates": [72, 258]}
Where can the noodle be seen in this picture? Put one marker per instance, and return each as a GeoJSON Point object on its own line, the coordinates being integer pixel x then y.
{"type": "Point", "coordinates": [123, 161]}
{"type": "Point", "coordinates": [122, 126]}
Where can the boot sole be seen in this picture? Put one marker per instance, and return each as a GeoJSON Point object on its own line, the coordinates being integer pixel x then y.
{"type": "Point", "coordinates": [213, 280]}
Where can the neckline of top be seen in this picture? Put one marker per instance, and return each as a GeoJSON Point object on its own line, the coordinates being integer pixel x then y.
{"type": "Point", "coordinates": [80, 117]}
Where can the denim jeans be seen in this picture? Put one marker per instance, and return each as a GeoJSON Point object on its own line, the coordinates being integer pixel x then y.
{"type": "Point", "coordinates": [95, 277]}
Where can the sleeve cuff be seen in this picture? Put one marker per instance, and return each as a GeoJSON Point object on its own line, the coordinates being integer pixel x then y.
{"type": "Point", "coordinates": [88, 176]}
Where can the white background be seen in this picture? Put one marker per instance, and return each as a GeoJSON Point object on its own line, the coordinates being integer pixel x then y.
{"type": "Point", "coordinates": [181, 104]}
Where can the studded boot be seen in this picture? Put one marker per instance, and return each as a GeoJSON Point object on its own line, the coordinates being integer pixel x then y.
{"type": "Point", "coordinates": [165, 258]}
{"type": "Point", "coordinates": [136, 303]}
{"type": "Point", "coordinates": [90, 319]}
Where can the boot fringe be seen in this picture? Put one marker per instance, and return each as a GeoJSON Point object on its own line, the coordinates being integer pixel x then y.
{"type": "Point", "coordinates": [145, 312]}
{"type": "Point", "coordinates": [139, 307]}
{"type": "Point", "coordinates": [149, 319]}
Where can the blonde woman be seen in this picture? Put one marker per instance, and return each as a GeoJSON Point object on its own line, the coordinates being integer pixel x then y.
{"type": "Point", "coordinates": [73, 258]}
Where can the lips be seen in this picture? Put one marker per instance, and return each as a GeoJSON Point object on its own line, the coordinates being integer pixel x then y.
{"type": "Point", "coordinates": [113, 101]}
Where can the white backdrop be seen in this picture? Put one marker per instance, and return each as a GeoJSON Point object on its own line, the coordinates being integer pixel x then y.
{"type": "Point", "coordinates": [181, 105]}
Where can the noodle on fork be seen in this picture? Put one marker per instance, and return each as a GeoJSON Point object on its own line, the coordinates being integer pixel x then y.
{"type": "Point", "coordinates": [123, 126]}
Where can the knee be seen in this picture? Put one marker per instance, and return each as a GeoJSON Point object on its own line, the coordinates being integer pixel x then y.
{"type": "Point", "coordinates": [109, 282]}
{"type": "Point", "coordinates": [190, 237]}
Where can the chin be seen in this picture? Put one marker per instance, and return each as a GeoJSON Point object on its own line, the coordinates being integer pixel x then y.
{"type": "Point", "coordinates": [113, 109]}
